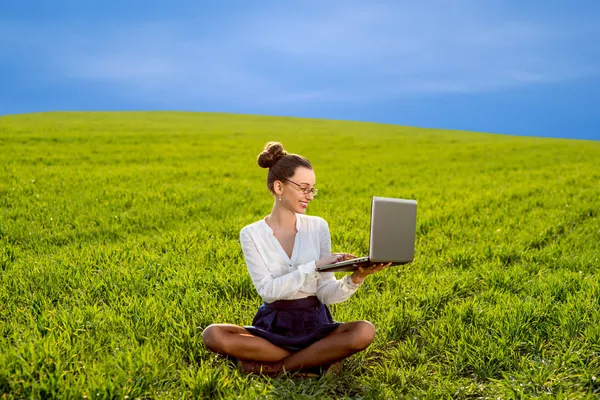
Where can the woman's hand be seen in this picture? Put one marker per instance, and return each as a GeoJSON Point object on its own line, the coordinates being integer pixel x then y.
{"type": "Point", "coordinates": [359, 275]}
{"type": "Point", "coordinates": [331, 259]}
{"type": "Point", "coordinates": [345, 256]}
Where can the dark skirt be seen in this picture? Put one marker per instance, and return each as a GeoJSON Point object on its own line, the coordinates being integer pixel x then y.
{"type": "Point", "coordinates": [293, 324]}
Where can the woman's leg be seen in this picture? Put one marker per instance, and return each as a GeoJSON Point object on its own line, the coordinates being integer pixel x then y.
{"type": "Point", "coordinates": [346, 340]}
{"type": "Point", "coordinates": [236, 341]}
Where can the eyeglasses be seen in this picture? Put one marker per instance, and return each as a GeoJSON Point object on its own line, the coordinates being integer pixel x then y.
{"type": "Point", "coordinates": [304, 189]}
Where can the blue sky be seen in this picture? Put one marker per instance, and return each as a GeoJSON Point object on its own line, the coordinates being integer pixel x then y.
{"type": "Point", "coordinates": [492, 66]}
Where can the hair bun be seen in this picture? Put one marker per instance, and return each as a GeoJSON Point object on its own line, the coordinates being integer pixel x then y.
{"type": "Point", "coordinates": [271, 154]}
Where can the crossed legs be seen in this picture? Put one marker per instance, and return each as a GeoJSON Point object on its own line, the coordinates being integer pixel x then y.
{"type": "Point", "coordinates": [236, 341]}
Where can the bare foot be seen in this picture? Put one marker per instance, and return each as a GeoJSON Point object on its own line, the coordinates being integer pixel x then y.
{"type": "Point", "coordinates": [260, 368]}
{"type": "Point", "coordinates": [315, 372]}
{"type": "Point", "coordinates": [306, 374]}
{"type": "Point", "coordinates": [335, 368]}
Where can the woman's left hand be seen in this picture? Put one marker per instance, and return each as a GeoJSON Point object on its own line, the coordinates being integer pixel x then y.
{"type": "Point", "coordinates": [361, 273]}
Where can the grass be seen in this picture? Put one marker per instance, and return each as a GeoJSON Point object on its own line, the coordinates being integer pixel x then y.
{"type": "Point", "coordinates": [119, 245]}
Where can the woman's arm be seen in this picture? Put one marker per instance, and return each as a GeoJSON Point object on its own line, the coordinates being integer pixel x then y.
{"type": "Point", "coordinates": [329, 289]}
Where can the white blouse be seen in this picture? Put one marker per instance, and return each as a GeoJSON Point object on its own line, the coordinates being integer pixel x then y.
{"type": "Point", "coordinates": [279, 277]}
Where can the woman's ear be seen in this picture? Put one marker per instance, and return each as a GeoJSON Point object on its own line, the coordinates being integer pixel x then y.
{"type": "Point", "coordinates": [278, 187]}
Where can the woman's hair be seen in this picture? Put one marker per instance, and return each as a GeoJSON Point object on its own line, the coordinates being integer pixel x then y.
{"type": "Point", "coordinates": [281, 164]}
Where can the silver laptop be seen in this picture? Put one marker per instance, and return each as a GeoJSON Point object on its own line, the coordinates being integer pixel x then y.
{"type": "Point", "coordinates": [392, 238]}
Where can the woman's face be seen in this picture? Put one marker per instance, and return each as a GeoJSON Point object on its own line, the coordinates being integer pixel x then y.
{"type": "Point", "coordinates": [296, 192]}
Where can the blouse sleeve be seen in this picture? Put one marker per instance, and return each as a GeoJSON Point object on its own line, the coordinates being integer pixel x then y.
{"type": "Point", "coordinates": [329, 289]}
{"type": "Point", "coordinates": [268, 287]}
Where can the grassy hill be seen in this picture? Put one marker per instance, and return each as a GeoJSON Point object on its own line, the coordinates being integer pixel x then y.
{"type": "Point", "coordinates": [119, 244]}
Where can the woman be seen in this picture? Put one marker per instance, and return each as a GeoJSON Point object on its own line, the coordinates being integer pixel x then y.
{"type": "Point", "coordinates": [293, 330]}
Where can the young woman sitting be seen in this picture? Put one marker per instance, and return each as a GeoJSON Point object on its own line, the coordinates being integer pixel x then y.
{"type": "Point", "coordinates": [293, 330]}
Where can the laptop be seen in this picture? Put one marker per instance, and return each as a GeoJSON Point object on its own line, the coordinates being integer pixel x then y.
{"type": "Point", "coordinates": [392, 237]}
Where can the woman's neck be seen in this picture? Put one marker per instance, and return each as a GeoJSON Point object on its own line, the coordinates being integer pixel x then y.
{"type": "Point", "coordinates": [281, 218]}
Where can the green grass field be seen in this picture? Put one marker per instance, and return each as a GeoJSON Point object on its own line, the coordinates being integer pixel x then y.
{"type": "Point", "coordinates": [119, 244]}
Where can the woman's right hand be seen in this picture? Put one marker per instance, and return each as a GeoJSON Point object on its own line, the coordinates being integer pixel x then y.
{"type": "Point", "coordinates": [333, 258]}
